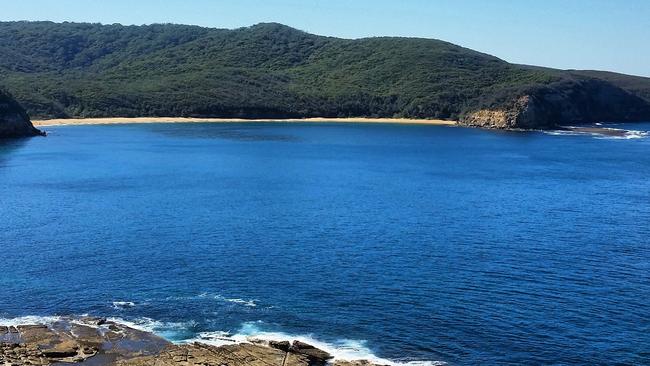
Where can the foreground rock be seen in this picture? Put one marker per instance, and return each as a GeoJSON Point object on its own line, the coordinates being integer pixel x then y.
{"type": "Point", "coordinates": [97, 342]}
{"type": "Point", "coordinates": [14, 121]}
{"type": "Point", "coordinates": [75, 341]}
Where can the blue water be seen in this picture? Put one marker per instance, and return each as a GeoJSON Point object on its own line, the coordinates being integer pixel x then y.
{"type": "Point", "coordinates": [411, 243]}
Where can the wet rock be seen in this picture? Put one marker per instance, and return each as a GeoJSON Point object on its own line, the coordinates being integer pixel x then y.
{"type": "Point", "coordinates": [281, 345]}
{"type": "Point", "coordinates": [90, 320]}
{"type": "Point", "coordinates": [315, 355]}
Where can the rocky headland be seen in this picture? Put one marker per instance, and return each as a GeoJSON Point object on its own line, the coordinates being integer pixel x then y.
{"type": "Point", "coordinates": [14, 121]}
{"type": "Point", "coordinates": [572, 101]}
{"type": "Point", "coordinates": [99, 342]}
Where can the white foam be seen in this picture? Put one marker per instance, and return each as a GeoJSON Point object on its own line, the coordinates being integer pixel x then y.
{"type": "Point", "coordinates": [562, 133]}
{"type": "Point", "coordinates": [170, 330]}
{"type": "Point", "coordinates": [121, 305]}
{"type": "Point", "coordinates": [629, 134]}
{"type": "Point", "coordinates": [29, 320]}
{"type": "Point", "coordinates": [206, 295]}
{"type": "Point", "coordinates": [344, 349]}
{"type": "Point", "coordinates": [626, 134]}
{"type": "Point", "coordinates": [249, 303]}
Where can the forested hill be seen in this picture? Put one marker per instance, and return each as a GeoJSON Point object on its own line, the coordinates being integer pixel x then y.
{"type": "Point", "coordinates": [271, 70]}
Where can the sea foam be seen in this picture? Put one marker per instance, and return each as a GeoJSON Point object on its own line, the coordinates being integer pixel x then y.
{"type": "Point", "coordinates": [173, 331]}
{"type": "Point", "coordinates": [629, 134]}
{"type": "Point", "coordinates": [622, 134]}
{"type": "Point", "coordinates": [29, 320]}
{"type": "Point", "coordinates": [218, 297]}
{"type": "Point", "coordinates": [121, 305]}
{"type": "Point", "coordinates": [344, 349]}
{"type": "Point", "coordinates": [244, 302]}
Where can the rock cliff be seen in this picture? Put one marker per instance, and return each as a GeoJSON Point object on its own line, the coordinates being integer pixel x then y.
{"type": "Point", "coordinates": [14, 121]}
{"type": "Point", "coordinates": [568, 102]}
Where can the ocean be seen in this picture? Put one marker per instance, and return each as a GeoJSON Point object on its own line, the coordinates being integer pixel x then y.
{"type": "Point", "coordinates": [398, 243]}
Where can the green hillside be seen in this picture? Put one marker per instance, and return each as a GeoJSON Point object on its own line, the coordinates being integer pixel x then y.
{"type": "Point", "coordinates": [271, 70]}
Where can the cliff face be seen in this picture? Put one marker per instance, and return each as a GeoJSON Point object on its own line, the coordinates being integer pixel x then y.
{"type": "Point", "coordinates": [14, 121]}
{"type": "Point", "coordinates": [567, 102]}
{"type": "Point", "coordinates": [521, 113]}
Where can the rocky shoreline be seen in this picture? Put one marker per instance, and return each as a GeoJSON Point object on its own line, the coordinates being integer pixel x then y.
{"type": "Point", "coordinates": [95, 341]}
{"type": "Point", "coordinates": [14, 121]}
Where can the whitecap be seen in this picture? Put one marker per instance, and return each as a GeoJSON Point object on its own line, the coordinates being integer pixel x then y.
{"type": "Point", "coordinates": [219, 297]}
{"type": "Point", "coordinates": [121, 305]}
{"type": "Point", "coordinates": [249, 303]}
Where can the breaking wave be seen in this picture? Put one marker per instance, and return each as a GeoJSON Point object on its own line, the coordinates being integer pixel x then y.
{"type": "Point", "coordinates": [173, 331]}
{"type": "Point", "coordinates": [344, 349]}
{"type": "Point", "coordinates": [629, 134]}
{"type": "Point", "coordinates": [29, 320]}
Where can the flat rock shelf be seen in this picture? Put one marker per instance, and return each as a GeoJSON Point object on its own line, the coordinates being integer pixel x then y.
{"type": "Point", "coordinates": [97, 342]}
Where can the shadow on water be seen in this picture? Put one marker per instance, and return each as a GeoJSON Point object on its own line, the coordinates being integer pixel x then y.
{"type": "Point", "coordinates": [7, 149]}
{"type": "Point", "coordinates": [227, 131]}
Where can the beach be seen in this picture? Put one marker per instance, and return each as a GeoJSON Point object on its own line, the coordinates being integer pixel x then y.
{"type": "Point", "coordinates": [125, 120]}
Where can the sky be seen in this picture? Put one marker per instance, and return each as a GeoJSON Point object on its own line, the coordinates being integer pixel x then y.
{"type": "Point", "coordinates": [566, 34]}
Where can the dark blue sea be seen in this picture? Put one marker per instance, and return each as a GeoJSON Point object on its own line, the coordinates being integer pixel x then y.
{"type": "Point", "coordinates": [404, 243]}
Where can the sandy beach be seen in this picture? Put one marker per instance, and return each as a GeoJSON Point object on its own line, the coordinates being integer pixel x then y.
{"type": "Point", "coordinates": [123, 120]}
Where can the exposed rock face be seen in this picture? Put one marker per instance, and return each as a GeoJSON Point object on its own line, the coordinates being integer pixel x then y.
{"type": "Point", "coordinates": [522, 113]}
{"type": "Point", "coordinates": [97, 342]}
{"type": "Point", "coordinates": [564, 103]}
{"type": "Point", "coordinates": [14, 121]}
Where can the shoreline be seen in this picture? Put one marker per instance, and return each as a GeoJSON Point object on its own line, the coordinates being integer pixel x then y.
{"type": "Point", "coordinates": [128, 120]}
{"type": "Point", "coordinates": [46, 340]}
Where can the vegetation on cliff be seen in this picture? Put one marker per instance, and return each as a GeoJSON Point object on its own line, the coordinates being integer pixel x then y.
{"type": "Point", "coordinates": [271, 70]}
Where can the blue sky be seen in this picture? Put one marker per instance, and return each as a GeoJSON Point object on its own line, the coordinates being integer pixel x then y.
{"type": "Point", "coordinates": [580, 34]}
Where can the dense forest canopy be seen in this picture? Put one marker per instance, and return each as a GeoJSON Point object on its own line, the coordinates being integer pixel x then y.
{"type": "Point", "coordinates": [267, 70]}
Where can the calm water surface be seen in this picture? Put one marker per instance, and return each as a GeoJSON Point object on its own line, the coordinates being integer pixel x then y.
{"type": "Point", "coordinates": [409, 243]}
